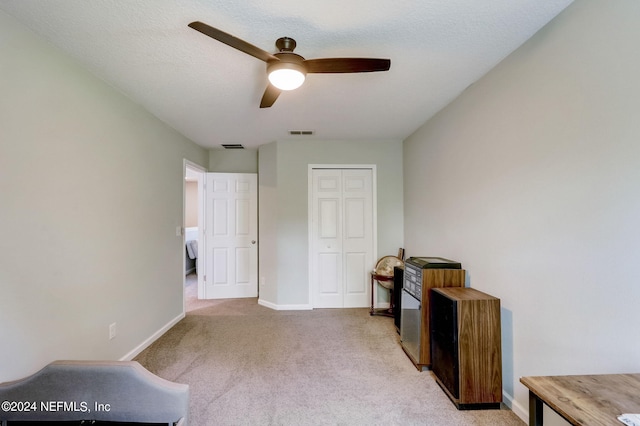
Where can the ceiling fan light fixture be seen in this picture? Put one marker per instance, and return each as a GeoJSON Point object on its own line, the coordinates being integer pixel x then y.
{"type": "Point", "coordinates": [287, 70]}
{"type": "Point", "coordinates": [286, 75]}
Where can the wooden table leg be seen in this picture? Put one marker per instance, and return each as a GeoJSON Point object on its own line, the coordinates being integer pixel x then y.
{"type": "Point", "coordinates": [371, 311]}
{"type": "Point", "coordinates": [535, 410]}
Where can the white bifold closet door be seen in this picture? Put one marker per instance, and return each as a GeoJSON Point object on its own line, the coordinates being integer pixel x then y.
{"type": "Point", "coordinates": [342, 237]}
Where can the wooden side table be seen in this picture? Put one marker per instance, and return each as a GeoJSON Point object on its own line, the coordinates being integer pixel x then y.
{"type": "Point", "coordinates": [382, 279]}
{"type": "Point", "coordinates": [584, 399]}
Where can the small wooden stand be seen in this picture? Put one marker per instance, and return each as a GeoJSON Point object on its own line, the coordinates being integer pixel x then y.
{"type": "Point", "coordinates": [386, 279]}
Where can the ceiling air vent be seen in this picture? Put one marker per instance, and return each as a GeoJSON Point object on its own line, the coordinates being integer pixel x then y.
{"type": "Point", "coordinates": [232, 146]}
{"type": "Point", "coordinates": [301, 132]}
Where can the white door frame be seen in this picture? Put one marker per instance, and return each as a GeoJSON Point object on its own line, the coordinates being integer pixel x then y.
{"type": "Point", "coordinates": [199, 172]}
{"type": "Point", "coordinates": [374, 196]}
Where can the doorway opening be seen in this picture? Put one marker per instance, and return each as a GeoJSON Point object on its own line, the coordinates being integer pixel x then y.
{"type": "Point", "coordinates": [193, 217]}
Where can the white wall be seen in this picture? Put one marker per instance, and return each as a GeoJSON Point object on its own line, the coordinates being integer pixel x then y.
{"type": "Point", "coordinates": [283, 206]}
{"type": "Point", "coordinates": [91, 195]}
{"type": "Point", "coordinates": [531, 179]}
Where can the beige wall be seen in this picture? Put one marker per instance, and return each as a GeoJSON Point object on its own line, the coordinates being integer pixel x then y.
{"type": "Point", "coordinates": [233, 160]}
{"type": "Point", "coordinates": [531, 179]}
{"type": "Point", "coordinates": [190, 204]}
{"type": "Point", "coordinates": [91, 194]}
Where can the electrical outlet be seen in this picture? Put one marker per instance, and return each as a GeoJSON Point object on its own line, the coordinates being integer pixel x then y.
{"type": "Point", "coordinates": [262, 281]}
{"type": "Point", "coordinates": [112, 331]}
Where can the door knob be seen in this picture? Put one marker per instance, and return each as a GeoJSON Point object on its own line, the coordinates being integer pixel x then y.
{"type": "Point", "coordinates": [253, 241]}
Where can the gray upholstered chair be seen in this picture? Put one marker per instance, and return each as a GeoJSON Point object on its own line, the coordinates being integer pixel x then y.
{"type": "Point", "coordinates": [100, 391]}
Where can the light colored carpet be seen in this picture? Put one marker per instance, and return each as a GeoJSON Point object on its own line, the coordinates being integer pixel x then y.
{"type": "Point", "coordinates": [250, 365]}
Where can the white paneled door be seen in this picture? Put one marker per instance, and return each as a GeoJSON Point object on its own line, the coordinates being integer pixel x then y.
{"type": "Point", "coordinates": [231, 233]}
{"type": "Point", "coordinates": [342, 237]}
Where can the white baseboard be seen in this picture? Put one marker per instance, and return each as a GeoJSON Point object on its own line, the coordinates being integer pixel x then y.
{"type": "Point", "coordinates": [307, 307]}
{"type": "Point", "coordinates": [515, 407]}
{"type": "Point", "coordinates": [284, 307]}
{"type": "Point", "coordinates": [155, 336]}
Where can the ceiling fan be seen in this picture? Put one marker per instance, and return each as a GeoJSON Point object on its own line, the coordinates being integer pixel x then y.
{"type": "Point", "coordinates": [287, 70]}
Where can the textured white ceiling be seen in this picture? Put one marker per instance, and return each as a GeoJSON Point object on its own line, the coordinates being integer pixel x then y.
{"type": "Point", "coordinates": [210, 92]}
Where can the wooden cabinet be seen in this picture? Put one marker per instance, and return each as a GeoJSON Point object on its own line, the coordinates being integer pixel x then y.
{"type": "Point", "coordinates": [416, 338]}
{"type": "Point", "coordinates": [466, 346]}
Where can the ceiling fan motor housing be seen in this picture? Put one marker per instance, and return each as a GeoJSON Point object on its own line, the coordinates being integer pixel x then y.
{"type": "Point", "coordinates": [288, 58]}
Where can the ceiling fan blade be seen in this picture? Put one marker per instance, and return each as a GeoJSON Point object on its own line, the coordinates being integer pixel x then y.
{"type": "Point", "coordinates": [270, 96]}
{"type": "Point", "coordinates": [232, 41]}
{"type": "Point", "coordinates": [346, 65]}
